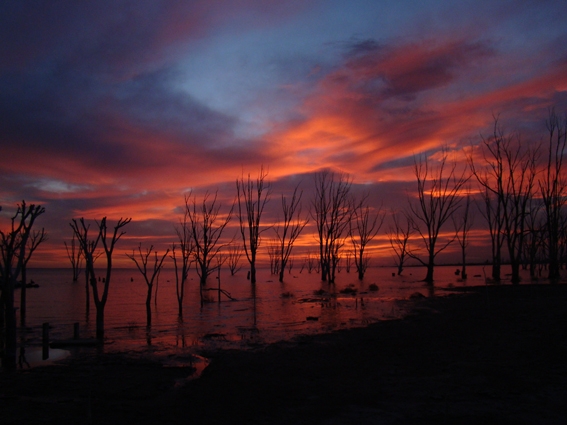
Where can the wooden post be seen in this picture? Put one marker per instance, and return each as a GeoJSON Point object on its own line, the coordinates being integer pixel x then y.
{"type": "Point", "coordinates": [45, 340]}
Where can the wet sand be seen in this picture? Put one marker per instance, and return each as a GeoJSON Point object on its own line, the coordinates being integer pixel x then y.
{"type": "Point", "coordinates": [495, 355]}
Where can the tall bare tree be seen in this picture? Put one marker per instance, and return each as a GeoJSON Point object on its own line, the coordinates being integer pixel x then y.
{"type": "Point", "coordinates": [182, 259]}
{"type": "Point", "coordinates": [331, 211]}
{"type": "Point", "coordinates": [462, 229]}
{"type": "Point", "coordinates": [438, 193]}
{"type": "Point", "coordinates": [521, 179]}
{"type": "Point", "coordinates": [289, 229]}
{"type": "Point", "coordinates": [75, 256]}
{"type": "Point", "coordinates": [399, 235]}
{"type": "Point", "coordinates": [252, 195]}
{"type": "Point", "coordinates": [142, 266]}
{"type": "Point", "coordinates": [535, 236]}
{"type": "Point", "coordinates": [89, 246]}
{"type": "Point", "coordinates": [363, 228]}
{"type": "Point", "coordinates": [553, 189]}
{"type": "Point", "coordinates": [207, 226]}
{"type": "Point", "coordinates": [507, 180]}
{"type": "Point", "coordinates": [13, 246]}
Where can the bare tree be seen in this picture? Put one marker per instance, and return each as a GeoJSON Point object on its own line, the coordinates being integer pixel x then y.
{"type": "Point", "coordinates": [331, 211]}
{"type": "Point", "coordinates": [348, 261]}
{"type": "Point", "coordinates": [493, 213]}
{"type": "Point", "coordinates": [363, 228]}
{"type": "Point", "coordinates": [75, 256]}
{"type": "Point", "coordinates": [535, 239]}
{"type": "Point", "coordinates": [142, 266]}
{"type": "Point", "coordinates": [399, 236]}
{"type": "Point", "coordinates": [13, 246]}
{"type": "Point", "coordinates": [34, 240]}
{"type": "Point", "coordinates": [310, 260]}
{"type": "Point", "coordinates": [522, 168]}
{"type": "Point", "coordinates": [553, 189]}
{"type": "Point", "coordinates": [182, 263]}
{"type": "Point", "coordinates": [507, 180]}
{"type": "Point", "coordinates": [233, 258]}
{"type": "Point", "coordinates": [207, 226]}
{"type": "Point", "coordinates": [438, 193]}
{"type": "Point", "coordinates": [89, 247]}
{"type": "Point", "coordinates": [272, 250]}
{"type": "Point", "coordinates": [290, 228]}
{"type": "Point", "coordinates": [462, 230]}
{"type": "Point", "coordinates": [253, 195]}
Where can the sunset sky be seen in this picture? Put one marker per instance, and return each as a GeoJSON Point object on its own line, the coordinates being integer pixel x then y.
{"type": "Point", "coordinates": [118, 109]}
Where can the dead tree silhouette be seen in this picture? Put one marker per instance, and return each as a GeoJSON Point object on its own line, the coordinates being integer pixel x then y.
{"type": "Point", "coordinates": [89, 246]}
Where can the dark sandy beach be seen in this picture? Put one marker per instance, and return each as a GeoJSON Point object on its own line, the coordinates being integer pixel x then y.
{"type": "Point", "coordinates": [495, 355]}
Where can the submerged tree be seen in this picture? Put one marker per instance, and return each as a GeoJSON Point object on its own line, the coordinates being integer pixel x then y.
{"type": "Point", "coordinates": [535, 240]}
{"type": "Point", "coordinates": [399, 235]}
{"type": "Point", "coordinates": [252, 195]}
{"type": "Point", "coordinates": [233, 258]}
{"type": "Point", "coordinates": [207, 226]}
{"type": "Point", "coordinates": [507, 180]}
{"type": "Point", "coordinates": [182, 262]}
{"type": "Point", "coordinates": [289, 229]}
{"type": "Point", "coordinates": [363, 228]}
{"type": "Point", "coordinates": [462, 229]}
{"type": "Point", "coordinates": [331, 211]}
{"type": "Point", "coordinates": [438, 193]}
{"type": "Point", "coordinates": [553, 189]}
{"type": "Point", "coordinates": [34, 240]}
{"type": "Point", "coordinates": [75, 256]}
{"type": "Point", "coordinates": [272, 250]}
{"type": "Point", "coordinates": [89, 246]}
{"type": "Point", "coordinates": [142, 266]}
{"type": "Point", "coordinates": [13, 246]}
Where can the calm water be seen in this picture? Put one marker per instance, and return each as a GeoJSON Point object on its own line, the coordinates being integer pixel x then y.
{"type": "Point", "coordinates": [245, 322]}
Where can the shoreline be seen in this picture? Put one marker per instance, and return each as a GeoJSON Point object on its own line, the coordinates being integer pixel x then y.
{"type": "Point", "coordinates": [494, 354]}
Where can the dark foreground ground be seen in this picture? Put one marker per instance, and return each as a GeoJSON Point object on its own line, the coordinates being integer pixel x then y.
{"type": "Point", "coordinates": [497, 356]}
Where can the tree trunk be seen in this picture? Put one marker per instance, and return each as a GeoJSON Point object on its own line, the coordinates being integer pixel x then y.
{"type": "Point", "coordinates": [23, 294]}
{"type": "Point", "coordinates": [429, 277]}
{"type": "Point", "coordinates": [496, 276]}
{"type": "Point", "coordinates": [149, 307]}
{"type": "Point", "coordinates": [10, 347]}
{"type": "Point", "coordinates": [553, 273]}
{"type": "Point", "coordinates": [358, 261]}
{"type": "Point", "coordinates": [515, 272]}
{"type": "Point", "coordinates": [464, 266]}
{"type": "Point", "coordinates": [87, 295]}
{"type": "Point", "coordinates": [100, 322]}
{"type": "Point", "coordinates": [203, 278]}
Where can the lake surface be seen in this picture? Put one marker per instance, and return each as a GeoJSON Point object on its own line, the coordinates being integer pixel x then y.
{"type": "Point", "coordinates": [278, 311]}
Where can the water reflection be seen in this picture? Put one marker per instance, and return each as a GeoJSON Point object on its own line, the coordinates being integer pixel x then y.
{"type": "Point", "coordinates": [266, 312]}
